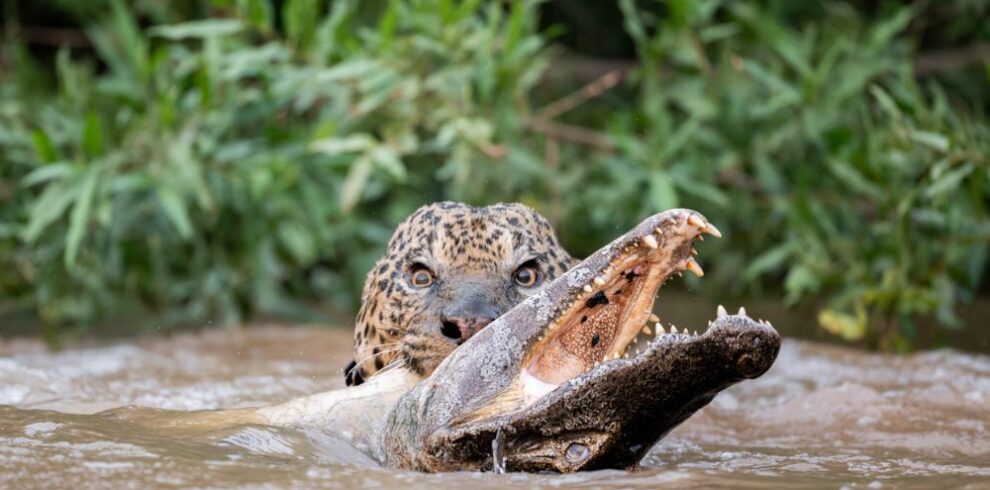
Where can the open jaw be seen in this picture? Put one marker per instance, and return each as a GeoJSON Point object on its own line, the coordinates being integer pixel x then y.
{"type": "Point", "coordinates": [583, 375]}
{"type": "Point", "coordinates": [615, 311]}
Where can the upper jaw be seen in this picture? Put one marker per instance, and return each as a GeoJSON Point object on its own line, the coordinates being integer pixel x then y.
{"type": "Point", "coordinates": [613, 305]}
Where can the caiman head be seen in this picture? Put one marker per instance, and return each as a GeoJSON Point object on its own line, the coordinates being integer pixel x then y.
{"type": "Point", "coordinates": [565, 381]}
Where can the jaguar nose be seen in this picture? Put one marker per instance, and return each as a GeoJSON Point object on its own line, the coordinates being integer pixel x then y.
{"type": "Point", "coordinates": [461, 328]}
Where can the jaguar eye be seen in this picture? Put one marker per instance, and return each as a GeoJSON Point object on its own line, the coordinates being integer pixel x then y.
{"type": "Point", "coordinates": [526, 276]}
{"type": "Point", "coordinates": [421, 277]}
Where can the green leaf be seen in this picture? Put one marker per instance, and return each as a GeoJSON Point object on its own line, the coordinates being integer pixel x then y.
{"type": "Point", "coordinates": [800, 281]}
{"type": "Point", "coordinates": [884, 31]}
{"type": "Point", "coordinates": [633, 23]}
{"type": "Point", "coordinates": [80, 216]}
{"type": "Point", "coordinates": [347, 144]}
{"type": "Point", "coordinates": [948, 181]}
{"type": "Point", "coordinates": [199, 29]}
{"type": "Point", "coordinates": [386, 26]}
{"type": "Point", "coordinates": [258, 13]}
{"type": "Point", "coordinates": [43, 146]}
{"type": "Point", "coordinates": [298, 240]}
{"type": "Point", "coordinates": [837, 323]}
{"type": "Point", "coordinates": [932, 140]}
{"type": "Point", "coordinates": [351, 69]}
{"type": "Point", "coordinates": [92, 137]}
{"type": "Point", "coordinates": [50, 206]}
{"type": "Point", "coordinates": [771, 33]}
{"type": "Point", "coordinates": [387, 159]}
{"type": "Point", "coordinates": [886, 102]}
{"type": "Point", "coordinates": [781, 87]}
{"type": "Point", "coordinates": [55, 171]}
{"type": "Point", "coordinates": [300, 20]}
{"type": "Point", "coordinates": [333, 35]}
{"type": "Point", "coordinates": [354, 183]}
{"type": "Point", "coordinates": [120, 44]}
{"type": "Point", "coordinates": [848, 174]}
{"type": "Point", "coordinates": [175, 209]}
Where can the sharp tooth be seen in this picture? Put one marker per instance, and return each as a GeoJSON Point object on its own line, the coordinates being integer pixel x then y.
{"type": "Point", "coordinates": [696, 221]}
{"type": "Point", "coordinates": [742, 311]}
{"type": "Point", "coordinates": [673, 329]}
{"type": "Point", "coordinates": [660, 329]}
{"type": "Point", "coordinates": [654, 318]}
{"type": "Point", "coordinates": [709, 324]}
{"type": "Point", "coordinates": [721, 311]}
{"type": "Point", "coordinates": [587, 288]}
{"type": "Point", "coordinates": [680, 274]}
{"type": "Point", "coordinates": [646, 329]}
{"type": "Point", "coordinates": [694, 252]}
{"type": "Point", "coordinates": [711, 230]}
{"type": "Point", "coordinates": [650, 241]}
{"type": "Point", "coordinates": [695, 268]}
{"type": "Point", "coordinates": [694, 333]}
{"type": "Point", "coordinates": [701, 238]}
{"type": "Point", "coordinates": [615, 356]}
{"type": "Point", "coordinates": [598, 281]}
{"type": "Point", "coordinates": [658, 231]}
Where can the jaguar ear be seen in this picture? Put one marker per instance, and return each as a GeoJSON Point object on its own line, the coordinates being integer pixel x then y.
{"type": "Point", "coordinates": [352, 374]}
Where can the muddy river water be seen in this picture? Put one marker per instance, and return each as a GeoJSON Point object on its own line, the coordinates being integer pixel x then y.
{"type": "Point", "coordinates": [823, 416]}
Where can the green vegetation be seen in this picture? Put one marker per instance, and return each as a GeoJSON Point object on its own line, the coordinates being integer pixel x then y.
{"type": "Point", "coordinates": [254, 159]}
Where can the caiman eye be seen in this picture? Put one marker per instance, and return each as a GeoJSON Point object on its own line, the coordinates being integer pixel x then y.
{"type": "Point", "coordinates": [421, 276]}
{"type": "Point", "coordinates": [526, 275]}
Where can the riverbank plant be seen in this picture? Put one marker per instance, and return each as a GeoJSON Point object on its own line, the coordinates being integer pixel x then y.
{"type": "Point", "coordinates": [253, 160]}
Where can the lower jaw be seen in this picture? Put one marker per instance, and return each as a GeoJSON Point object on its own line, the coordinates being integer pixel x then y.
{"type": "Point", "coordinates": [532, 388]}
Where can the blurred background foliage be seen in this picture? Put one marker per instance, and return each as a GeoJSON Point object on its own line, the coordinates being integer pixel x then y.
{"type": "Point", "coordinates": [200, 161]}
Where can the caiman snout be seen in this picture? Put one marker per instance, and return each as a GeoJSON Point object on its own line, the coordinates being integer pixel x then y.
{"type": "Point", "coordinates": [754, 361]}
{"type": "Point", "coordinates": [751, 345]}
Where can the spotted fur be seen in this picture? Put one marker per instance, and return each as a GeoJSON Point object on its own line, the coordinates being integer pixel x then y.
{"type": "Point", "coordinates": [474, 254]}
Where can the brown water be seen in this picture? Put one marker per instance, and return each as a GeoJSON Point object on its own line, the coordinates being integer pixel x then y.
{"type": "Point", "coordinates": [822, 417]}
